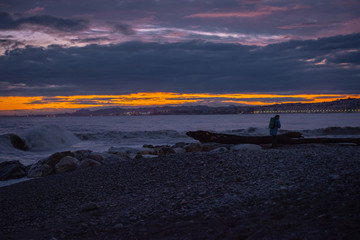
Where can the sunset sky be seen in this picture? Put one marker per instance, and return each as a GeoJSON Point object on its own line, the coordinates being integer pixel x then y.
{"type": "Point", "coordinates": [63, 55]}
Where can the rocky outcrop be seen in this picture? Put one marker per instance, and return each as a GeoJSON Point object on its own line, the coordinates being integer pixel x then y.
{"type": "Point", "coordinates": [11, 170]}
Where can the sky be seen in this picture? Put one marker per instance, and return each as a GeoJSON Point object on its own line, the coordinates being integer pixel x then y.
{"type": "Point", "coordinates": [62, 55]}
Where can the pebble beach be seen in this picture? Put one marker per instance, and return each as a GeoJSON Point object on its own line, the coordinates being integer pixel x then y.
{"type": "Point", "coordinates": [309, 191]}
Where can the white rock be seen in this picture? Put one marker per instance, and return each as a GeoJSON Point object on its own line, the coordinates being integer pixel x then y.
{"type": "Point", "coordinates": [252, 147]}
{"type": "Point", "coordinates": [67, 164]}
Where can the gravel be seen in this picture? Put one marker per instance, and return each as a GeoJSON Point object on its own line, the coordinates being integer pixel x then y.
{"type": "Point", "coordinates": [293, 192]}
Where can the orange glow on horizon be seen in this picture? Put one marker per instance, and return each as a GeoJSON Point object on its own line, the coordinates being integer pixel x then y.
{"type": "Point", "coordinates": [61, 103]}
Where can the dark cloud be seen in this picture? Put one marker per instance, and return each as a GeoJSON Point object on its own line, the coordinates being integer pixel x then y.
{"type": "Point", "coordinates": [9, 43]}
{"type": "Point", "coordinates": [61, 24]}
{"type": "Point", "coordinates": [124, 29]}
{"type": "Point", "coordinates": [91, 40]}
{"type": "Point", "coordinates": [196, 66]}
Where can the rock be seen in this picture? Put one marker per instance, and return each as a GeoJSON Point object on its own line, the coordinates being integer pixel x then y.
{"type": "Point", "coordinates": [219, 149]}
{"type": "Point", "coordinates": [96, 156]}
{"type": "Point", "coordinates": [115, 158]}
{"type": "Point", "coordinates": [40, 170]}
{"type": "Point", "coordinates": [148, 146]}
{"type": "Point", "coordinates": [193, 147]}
{"type": "Point", "coordinates": [146, 151]}
{"type": "Point", "coordinates": [121, 150]}
{"type": "Point", "coordinates": [11, 170]}
{"type": "Point", "coordinates": [82, 154]}
{"type": "Point", "coordinates": [180, 145]}
{"type": "Point", "coordinates": [118, 226]}
{"type": "Point", "coordinates": [207, 147]}
{"type": "Point", "coordinates": [240, 147]}
{"type": "Point", "coordinates": [87, 162]}
{"type": "Point", "coordinates": [179, 150]}
{"type": "Point", "coordinates": [56, 157]}
{"type": "Point", "coordinates": [163, 151]}
{"type": "Point", "coordinates": [89, 207]}
{"type": "Point", "coordinates": [67, 164]}
{"type": "Point", "coordinates": [18, 142]}
{"type": "Point", "coordinates": [149, 156]}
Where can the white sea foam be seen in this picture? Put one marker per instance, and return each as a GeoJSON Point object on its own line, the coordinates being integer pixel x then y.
{"type": "Point", "coordinates": [49, 137]}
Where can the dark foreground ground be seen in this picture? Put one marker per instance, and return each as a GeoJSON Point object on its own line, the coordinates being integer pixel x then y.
{"type": "Point", "coordinates": [297, 192]}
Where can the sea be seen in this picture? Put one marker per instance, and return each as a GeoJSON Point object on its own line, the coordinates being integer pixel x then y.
{"type": "Point", "coordinates": [47, 135]}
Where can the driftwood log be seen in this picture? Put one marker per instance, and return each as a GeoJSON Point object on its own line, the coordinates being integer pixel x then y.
{"type": "Point", "coordinates": [287, 138]}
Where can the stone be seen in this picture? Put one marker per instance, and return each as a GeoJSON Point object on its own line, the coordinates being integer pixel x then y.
{"type": "Point", "coordinates": [120, 150]}
{"type": "Point", "coordinates": [115, 158]}
{"type": "Point", "coordinates": [219, 149]}
{"type": "Point", "coordinates": [82, 154]}
{"type": "Point", "coordinates": [11, 170]}
{"type": "Point", "coordinates": [251, 147]}
{"type": "Point", "coordinates": [56, 157]}
{"type": "Point", "coordinates": [149, 156]}
{"type": "Point", "coordinates": [179, 145]}
{"type": "Point", "coordinates": [118, 226]}
{"type": "Point", "coordinates": [87, 163]}
{"type": "Point", "coordinates": [193, 147]}
{"type": "Point", "coordinates": [148, 146]}
{"type": "Point", "coordinates": [179, 150]}
{"type": "Point", "coordinates": [40, 170]}
{"type": "Point", "coordinates": [207, 147]}
{"type": "Point", "coordinates": [146, 151]}
{"type": "Point", "coordinates": [67, 164]}
{"type": "Point", "coordinates": [163, 151]}
{"type": "Point", "coordinates": [89, 207]}
{"type": "Point", "coordinates": [96, 156]}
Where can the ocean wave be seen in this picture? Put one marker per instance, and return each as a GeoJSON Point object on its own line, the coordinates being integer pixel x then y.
{"type": "Point", "coordinates": [49, 137]}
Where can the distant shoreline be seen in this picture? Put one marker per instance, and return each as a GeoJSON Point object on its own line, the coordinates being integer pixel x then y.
{"type": "Point", "coordinates": [140, 115]}
{"type": "Point", "coordinates": [350, 105]}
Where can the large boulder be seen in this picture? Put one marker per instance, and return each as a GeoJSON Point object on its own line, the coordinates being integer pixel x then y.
{"type": "Point", "coordinates": [40, 170]}
{"type": "Point", "coordinates": [95, 156]}
{"type": "Point", "coordinates": [11, 170]}
{"type": "Point", "coordinates": [87, 163]}
{"type": "Point", "coordinates": [55, 158]}
{"type": "Point", "coordinates": [67, 164]}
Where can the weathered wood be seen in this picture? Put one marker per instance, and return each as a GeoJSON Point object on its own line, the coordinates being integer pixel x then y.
{"type": "Point", "coordinates": [288, 138]}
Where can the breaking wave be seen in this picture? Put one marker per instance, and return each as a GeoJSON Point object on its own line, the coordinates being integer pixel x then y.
{"type": "Point", "coordinates": [49, 137]}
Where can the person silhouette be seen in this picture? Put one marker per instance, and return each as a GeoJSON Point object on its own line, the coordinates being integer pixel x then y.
{"type": "Point", "coordinates": [274, 126]}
